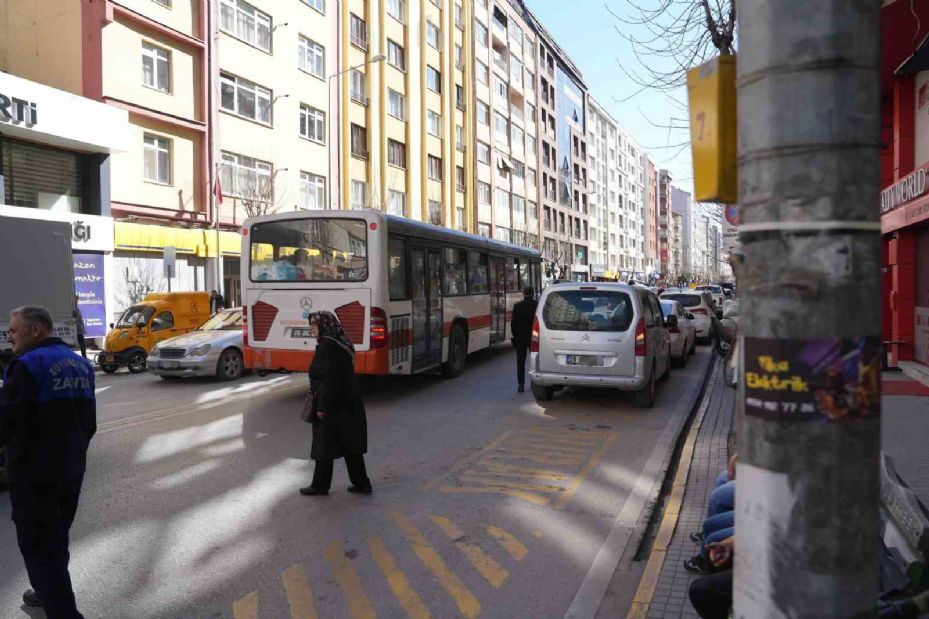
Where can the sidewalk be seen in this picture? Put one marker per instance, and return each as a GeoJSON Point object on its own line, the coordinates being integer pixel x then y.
{"type": "Point", "coordinates": [905, 426]}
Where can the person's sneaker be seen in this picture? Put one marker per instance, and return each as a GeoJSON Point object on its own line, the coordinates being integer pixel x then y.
{"type": "Point", "coordinates": [31, 598]}
{"type": "Point", "coordinates": [697, 538]}
{"type": "Point", "coordinates": [361, 489]}
{"type": "Point", "coordinates": [521, 388]}
{"type": "Point", "coordinates": [698, 565]}
{"type": "Point", "coordinates": [311, 491]}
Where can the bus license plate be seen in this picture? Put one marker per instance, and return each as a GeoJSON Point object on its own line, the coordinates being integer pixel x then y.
{"type": "Point", "coordinates": [585, 360]}
{"type": "Point", "coordinates": [300, 333]}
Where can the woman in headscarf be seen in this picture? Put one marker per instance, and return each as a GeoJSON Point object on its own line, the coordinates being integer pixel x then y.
{"type": "Point", "coordinates": [339, 426]}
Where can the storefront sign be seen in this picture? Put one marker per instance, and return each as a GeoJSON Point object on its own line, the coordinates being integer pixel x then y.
{"type": "Point", "coordinates": [89, 287]}
{"type": "Point", "coordinates": [18, 111]}
{"type": "Point", "coordinates": [88, 232]}
{"type": "Point", "coordinates": [908, 188]}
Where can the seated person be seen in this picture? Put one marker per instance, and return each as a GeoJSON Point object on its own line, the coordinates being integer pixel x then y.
{"type": "Point", "coordinates": [711, 595]}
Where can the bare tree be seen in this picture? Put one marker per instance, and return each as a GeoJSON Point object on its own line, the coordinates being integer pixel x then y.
{"type": "Point", "coordinates": [258, 198]}
{"type": "Point", "coordinates": [557, 254]}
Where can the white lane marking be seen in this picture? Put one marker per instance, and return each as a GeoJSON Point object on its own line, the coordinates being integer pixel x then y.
{"type": "Point", "coordinates": [100, 390]}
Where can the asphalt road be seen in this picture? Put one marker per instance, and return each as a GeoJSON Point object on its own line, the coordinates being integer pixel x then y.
{"type": "Point", "coordinates": [485, 503]}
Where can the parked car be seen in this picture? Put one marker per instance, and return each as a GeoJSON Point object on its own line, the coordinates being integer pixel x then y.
{"type": "Point", "coordinates": [699, 304]}
{"type": "Point", "coordinates": [213, 349]}
{"type": "Point", "coordinates": [599, 335]}
{"type": "Point", "coordinates": [681, 328]}
{"type": "Point", "coordinates": [716, 292]}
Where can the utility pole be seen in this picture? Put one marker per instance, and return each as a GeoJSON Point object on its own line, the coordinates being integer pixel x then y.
{"type": "Point", "coordinates": [809, 179]}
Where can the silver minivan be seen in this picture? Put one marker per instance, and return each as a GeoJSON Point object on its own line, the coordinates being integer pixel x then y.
{"type": "Point", "coordinates": [599, 335]}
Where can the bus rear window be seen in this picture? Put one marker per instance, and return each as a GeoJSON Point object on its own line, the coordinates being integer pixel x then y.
{"type": "Point", "coordinates": [312, 249]}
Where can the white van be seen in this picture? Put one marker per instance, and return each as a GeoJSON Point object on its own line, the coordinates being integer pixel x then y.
{"type": "Point", "coordinates": [599, 335]}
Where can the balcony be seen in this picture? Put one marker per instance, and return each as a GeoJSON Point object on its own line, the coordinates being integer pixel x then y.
{"type": "Point", "coordinates": [359, 40]}
{"type": "Point", "coordinates": [359, 98]}
{"type": "Point", "coordinates": [460, 187]}
{"type": "Point", "coordinates": [460, 146]}
{"type": "Point", "coordinates": [460, 105]}
{"type": "Point", "coordinates": [500, 64]}
{"type": "Point", "coordinates": [459, 64]}
{"type": "Point", "coordinates": [359, 152]}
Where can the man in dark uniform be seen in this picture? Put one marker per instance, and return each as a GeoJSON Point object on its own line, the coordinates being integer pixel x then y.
{"type": "Point", "coordinates": [521, 328]}
{"type": "Point", "coordinates": [47, 418]}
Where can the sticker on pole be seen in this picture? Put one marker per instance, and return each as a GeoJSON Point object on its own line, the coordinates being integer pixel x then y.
{"type": "Point", "coordinates": [831, 379]}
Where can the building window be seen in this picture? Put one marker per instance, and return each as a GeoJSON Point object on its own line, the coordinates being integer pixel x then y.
{"type": "Point", "coordinates": [359, 194]}
{"type": "Point", "coordinates": [434, 167]}
{"type": "Point", "coordinates": [432, 34]}
{"type": "Point", "coordinates": [516, 71]}
{"type": "Point", "coordinates": [245, 98]}
{"type": "Point", "coordinates": [459, 57]}
{"type": "Point", "coordinates": [359, 32]}
{"type": "Point", "coordinates": [396, 104]}
{"type": "Point", "coordinates": [396, 153]}
{"type": "Point", "coordinates": [483, 113]}
{"type": "Point", "coordinates": [164, 3]}
{"type": "Point", "coordinates": [396, 9]}
{"type": "Point", "coordinates": [500, 87]}
{"type": "Point", "coordinates": [311, 57]}
{"type": "Point", "coordinates": [245, 177]}
{"type": "Point", "coordinates": [433, 124]}
{"type": "Point", "coordinates": [395, 55]}
{"type": "Point", "coordinates": [459, 137]}
{"type": "Point", "coordinates": [483, 152]}
{"type": "Point", "coordinates": [358, 87]}
{"type": "Point", "coordinates": [483, 229]}
{"type": "Point", "coordinates": [501, 199]}
{"type": "Point", "coordinates": [246, 23]}
{"type": "Point", "coordinates": [157, 159]}
{"type": "Point", "coordinates": [396, 203]}
{"type": "Point", "coordinates": [312, 191]}
{"type": "Point", "coordinates": [434, 212]}
{"type": "Point", "coordinates": [319, 5]}
{"type": "Point", "coordinates": [482, 72]}
{"type": "Point", "coordinates": [433, 79]}
{"type": "Point", "coordinates": [519, 208]}
{"type": "Point", "coordinates": [459, 218]}
{"type": "Point", "coordinates": [483, 193]}
{"type": "Point", "coordinates": [459, 15]}
{"type": "Point", "coordinates": [459, 97]}
{"type": "Point", "coordinates": [501, 127]}
{"type": "Point", "coordinates": [156, 67]}
{"type": "Point", "coordinates": [517, 138]}
{"type": "Point", "coordinates": [460, 184]}
{"type": "Point", "coordinates": [481, 33]}
{"type": "Point", "coordinates": [312, 124]}
{"type": "Point", "coordinates": [503, 234]}
{"type": "Point", "coordinates": [359, 141]}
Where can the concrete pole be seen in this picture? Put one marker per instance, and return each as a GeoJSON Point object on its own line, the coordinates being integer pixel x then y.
{"type": "Point", "coordinates": [809, 180]}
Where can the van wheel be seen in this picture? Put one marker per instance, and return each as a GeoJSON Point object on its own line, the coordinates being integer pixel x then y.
{"type": "Point", "coordinates": [229, 366]}
{"type": "Point", "coordinates": [645, 397]}
{"type": "Point", "coordinates": [457, 354]}
{"type": "Point", "coordinates": [542, 393]}
{"type": "Point", "coordinates": [137, 361]}
{"type": "Point", "coordinates": [109, 368]}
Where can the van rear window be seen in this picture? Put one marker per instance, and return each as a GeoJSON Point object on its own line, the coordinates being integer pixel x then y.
{"type": "Point", "coordinates": [687, 300]}
{"type": "Point", "coordinates": [588, 310]}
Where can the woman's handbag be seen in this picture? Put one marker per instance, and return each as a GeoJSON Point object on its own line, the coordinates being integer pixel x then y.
{"type": "Point", "coordinates": [309, 407]}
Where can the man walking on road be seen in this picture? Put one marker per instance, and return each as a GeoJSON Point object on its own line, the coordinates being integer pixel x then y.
{"type": "Point", "coordinates": [47, 418]}
{"type": "Point", "coordinates": [521, 328]}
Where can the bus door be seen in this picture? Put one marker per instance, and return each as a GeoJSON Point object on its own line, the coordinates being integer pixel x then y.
{"type": "Point", "coordinates": [497, 299]}
{"type": "Point", "coordinates": [427, 307]}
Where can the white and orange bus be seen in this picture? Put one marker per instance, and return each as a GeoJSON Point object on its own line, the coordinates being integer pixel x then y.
{"type": "Point", "coordinates": [412, 297]}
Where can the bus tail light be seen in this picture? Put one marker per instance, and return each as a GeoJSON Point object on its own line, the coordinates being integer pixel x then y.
{"type": "Point", "coordinates": [534, 342]}
{"type": "Point", "coordinates": [245, 325]}
{"type": "Point", "coordinates": [379, 335]}
{"type": "Point", "coordinates": [640, 346]}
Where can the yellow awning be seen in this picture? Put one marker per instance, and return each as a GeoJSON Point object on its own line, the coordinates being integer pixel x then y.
{"type": "Point", "coordinates": [199, 242]}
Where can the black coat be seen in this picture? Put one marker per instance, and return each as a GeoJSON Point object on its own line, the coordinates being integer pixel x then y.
{"type": "Point", "coordinates": [521, 323]}
{"type": "Point", "coordinates": [344, 429]}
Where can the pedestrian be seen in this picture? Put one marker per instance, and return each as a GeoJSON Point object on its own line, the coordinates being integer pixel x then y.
{"type": "Point", "coordinates": [47, 418]}
{"type": "Point", "coordinates": [338, 413]}
{"type": "Point", "coordinates": [217, 302]}
{"type": "Point", "coordinates": [80, 327]}
{"type": "Point", "coordinates": [521, 328]}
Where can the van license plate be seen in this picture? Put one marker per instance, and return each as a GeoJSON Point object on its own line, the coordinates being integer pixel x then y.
{"type": "Point", "coordinates": [300, 333]}
{"type": "Point", "coordinates": [110, 358]}
{"type": "Point", "coordinates": [585, 360]}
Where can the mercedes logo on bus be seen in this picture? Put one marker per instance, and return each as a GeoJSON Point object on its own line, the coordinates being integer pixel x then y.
{"type": "Point", "coordinates": [306, 304]}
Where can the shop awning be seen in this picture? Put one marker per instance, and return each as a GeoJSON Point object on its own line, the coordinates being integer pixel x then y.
{"type": "Point", "coordinates": [199, 242]}
{"type": "Point", "coordinates": [917, 61]}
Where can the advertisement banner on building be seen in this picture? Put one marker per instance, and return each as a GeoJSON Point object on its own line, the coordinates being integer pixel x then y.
{"type": "Point", "coordinates": [921, 335]}
{"type": "Point", "coordinates": [89, 286]}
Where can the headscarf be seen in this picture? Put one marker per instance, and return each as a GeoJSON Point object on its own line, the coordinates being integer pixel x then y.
{"type": "Point", "coordinates": [331, 328]}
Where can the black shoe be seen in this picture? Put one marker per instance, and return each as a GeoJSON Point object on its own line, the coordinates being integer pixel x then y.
{"type": "Point", "coordinates": [311, 491]}
{"type": "Point", "coordinates": [361, 489]}
{"type": "Point", "coordinates": [521, 388]}
{"type": "Point", "coordinates": [697, 538]}
{"type": "Point", "coordinates": [698, 565]}
{"type": "Point", "coordinates": [31, 598]}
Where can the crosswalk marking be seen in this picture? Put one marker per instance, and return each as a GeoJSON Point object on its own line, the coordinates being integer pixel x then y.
{"type": "Point", "coordinates": [359, 606]}
{"type": "Point", "coordinates": [299, 593]}
{"type": "Point", "coordinates": [493, 572]}
{"type": "Point", "coordinates": [397, 580]}
{"type": "Point", "coordinates": [467, 603]}
{"type": "Point", "coordinates": [247, 607]}
{"type": "Point", "coordinates": [510, 544]}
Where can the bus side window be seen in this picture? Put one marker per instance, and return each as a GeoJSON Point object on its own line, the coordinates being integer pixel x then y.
{"type": "Point", "coordinates": [396, 269]}
{"type": "Point", "coordinates": [456, 272]}
{"type": "Point", "coordinates": [523, 267]}
{"type": "Point", "coordinates": [478, 271]}
{"type": "Point", "coordinates": [512, 275]}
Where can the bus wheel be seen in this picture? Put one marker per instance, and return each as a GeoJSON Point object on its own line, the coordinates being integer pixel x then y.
{"type": "Point", "coordinates": [457, 353]}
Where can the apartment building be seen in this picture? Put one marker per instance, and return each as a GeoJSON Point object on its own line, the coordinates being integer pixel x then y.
{"type": "Point", "coordinates": [676, 261]}
{"type": "Point", "coordinates": [651, 221]}
{"type": "Point", "coordinates": [663, 223]}
{"type": "Point", "coordinates": [505, 136]}
{"type": "Point", "coordinates": [682, 204]}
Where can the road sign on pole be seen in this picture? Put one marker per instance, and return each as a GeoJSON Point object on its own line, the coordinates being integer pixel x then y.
{"type": "Point", "coordinates": [170, 261]}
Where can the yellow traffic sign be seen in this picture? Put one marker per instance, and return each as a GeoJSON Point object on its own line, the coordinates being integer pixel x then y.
{"type": "Point", "coordinates": [712, 98]}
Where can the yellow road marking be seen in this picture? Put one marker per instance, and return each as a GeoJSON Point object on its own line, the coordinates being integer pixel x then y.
{"type": "Point", "coordinates": [578, 435]}
{"type": "Point", "coordinates": [468, 604]}
{"type": "Point", "coordinates": [247, 607]}
{"type": "Point", "coordinates": [299, 593]}
{"type": "Point", "coordinates": [511, 545]}
{"type": "Point", "coordinates": [594, 461]}
{"type": "Point", "coordinates": [503, 483]}
{"type": "Point", "coordinates": [526, 496]}
{"type": "Point", "coordinates": [493, 444]}
{"type": "Point", "coordinates": [398, 582]}
{"type": "Point", "coordinates": [493, 572]}
{"type": "Point", "coordinates": [359, 607]}
{"type": "Point", "coordinates": [499, 468]}
{"type": "Point", "coordinates": [535, 456]}
{"type": "Point", "coordinates": [557, 450]}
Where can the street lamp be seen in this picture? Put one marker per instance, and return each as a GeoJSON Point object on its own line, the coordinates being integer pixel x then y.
{"type": "Point", "coordinates": [378, 58]}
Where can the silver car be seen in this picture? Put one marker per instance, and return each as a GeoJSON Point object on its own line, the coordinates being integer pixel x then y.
{"type": "Point", "coordinates": [599, 335]}
{"type": "Point", "coordinates": [699, 304]}
{"type": "Point", "coordinates": [213, 349]}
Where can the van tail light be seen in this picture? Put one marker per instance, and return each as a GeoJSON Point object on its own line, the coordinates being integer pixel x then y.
{"type": "Point", "coordinates": [534, 342]}
{"type": "Point", "coordinates": [699, 310]}
{"type": "Point", "coordinates": [640, 338]}
{"type": "Point", "coordinates": [245, 325]}
{"type": "Point", "coordinates": [379, 335]}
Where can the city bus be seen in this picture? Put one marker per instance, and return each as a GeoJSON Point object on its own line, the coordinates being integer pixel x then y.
{"type": "Point", "coordinates": [412, 297]}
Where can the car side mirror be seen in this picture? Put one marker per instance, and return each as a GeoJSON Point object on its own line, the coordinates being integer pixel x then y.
{"type": "Point", "coordinates": [671, 320]}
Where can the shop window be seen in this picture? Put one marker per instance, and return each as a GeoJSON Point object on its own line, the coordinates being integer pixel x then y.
{"type": "Point", "coordinates": [43, 177]}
